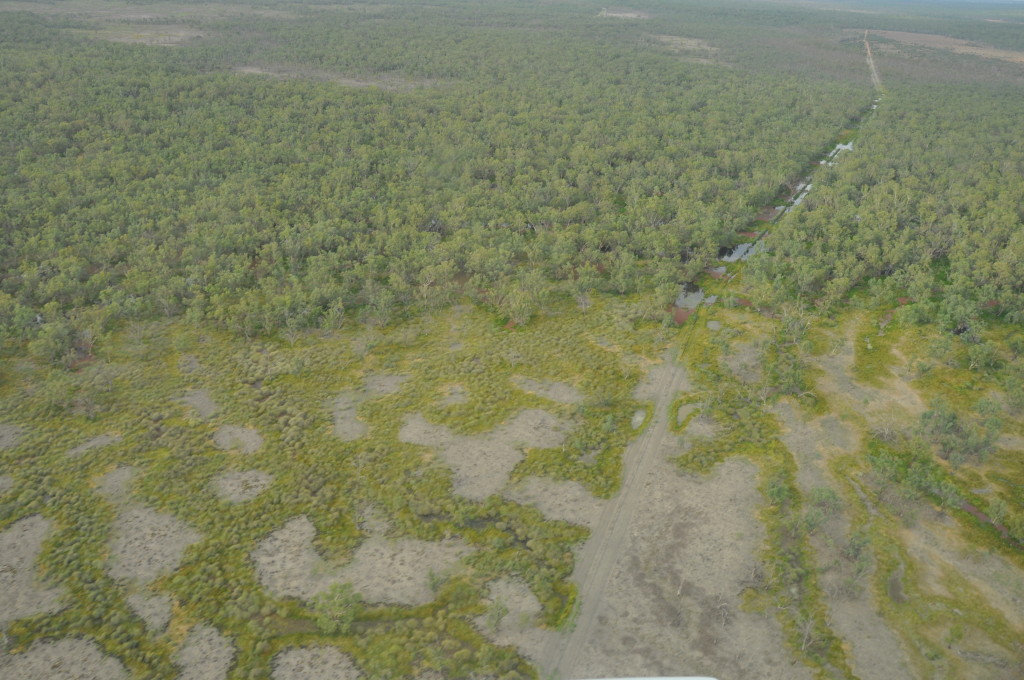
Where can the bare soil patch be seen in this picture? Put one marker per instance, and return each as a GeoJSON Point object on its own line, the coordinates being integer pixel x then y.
{"type": "Point", "coordinates": [661, 574]}
{"type": "Point", "coordinates": [813, 442]}
{"type": "Point", "coordinates": [673, 602]}
{"type": "Point", "coordinates": [94, 443]}
{"type": "Point", "coordinates": [21, 592]}
{"type": "Point", "coordinates": [287, 564]}
{"type": "Point", "coordinates": [6, 483]}
{"type": "Point", "coordinates": [382, 570]}
{"type": "Point", "coordinates": [10, 435]}
{"type": "Point", "coordinates": [894, 403]}
{"type": "Point", "coordinates": [241, 486]}
{"type": "Point", "coordinates": [306, 663]}
{"type": "Point", "coordinates": [482, 463]}
{"type": "Point", "coordinates": [935, 544]}
{"type": "Point", "coordinates": [189, 363]}
{"type": "Point", "coordinates": [650, 388]}
{"type": "Point", "coordinates": [399, 571]}
{"type": "Point", "coordinates": [202, 401]}
{"type": "Point", "coordinates": [383, 385]}
{"type": "Point", "coordinates": [154, 609]}
{"type": "Point", "coordinates": [242, 439]}
{"type": "Point", "coordinates": [387, 82]}
{"type": "Point", "coordinates": [147, 544]}
{"type": "Point", "coordinates": [624, 14]}
{"type": "Point", "coordinates": [677, 42]}
{"type": "Point", "coordinates": [67, 659]}
{"type": "Point", "coordinates": [205, 655]}
{"type": "Point", "coordinates": [956, 45]}
{"type": "Point", "coordinates": [347, 426]}
{"type": "Point", "coordinates": [512, 617]}
{"type": "Point", "coordinates": [561, 392]}
{"type": "Point", "coordinates": [694, 49]}
{"type": "Point", "coordinates": [557, 499]}
{"type": "Point", "coordinates": [167, 35]}
{"type": "Point", "coordinates": [874, 649]}
{"type": "Point", "coordinates": [454, 394]}
{"type": "Point", "coordinates": [744, 360]}
{"type": "Point", "coordinates": [639, 416]}
{"type": "Point", "coordinates": [115, 485]}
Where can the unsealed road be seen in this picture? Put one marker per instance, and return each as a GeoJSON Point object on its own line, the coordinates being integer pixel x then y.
{"type": "Point", "coordinates": [610, 535]}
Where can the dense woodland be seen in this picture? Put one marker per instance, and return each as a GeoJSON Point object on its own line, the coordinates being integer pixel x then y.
{"type": "Point", "coordinates": [284, 200]}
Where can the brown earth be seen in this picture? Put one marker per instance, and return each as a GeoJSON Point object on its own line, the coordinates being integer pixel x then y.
{"type": "Point", "coordinates": [956, 45]}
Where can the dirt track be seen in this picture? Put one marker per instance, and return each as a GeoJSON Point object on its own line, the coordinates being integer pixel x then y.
{"type": "Point", "coordinates": [875, 79]}
{"type": "Point", "coordinates": [610, 535]}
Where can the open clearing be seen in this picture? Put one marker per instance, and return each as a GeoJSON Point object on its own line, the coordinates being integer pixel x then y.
{"type": "Point", "coordinates": [94, 443]}
{"type": "Point", "coordinates": [387, 82]}
{"type": "Point", "coordinates": [235, 438]}
{"type": "Point", "coordinates": [875, 651]}
{"type": "Point", "coordinates": [67, 659]}
{"type": "Point", "coordinates": [238, 487]}
{"type": "Point", "coordinates": [202, 401]}
{"type": "Point", "coordinates": [482, 463]}
{"type": "Point", "coordinates": [167, 35]}
{"type": "Point", "coordinates": [557, 499]}
{"type": "Point", "coordinates": [147, 544]}
{"type": "Point", "coordinates": [624, 14]}
{"type": "Point", "coordinates": [302, 663]}
{"type": "Point", "coordinates": [21, 593]}
{"type": "Point", "coordinates": [561, 392]}
{"type": "Point", "coordinates": [660, 579]}
{"type": "Point", "coordinates": [10, 435]}
{"type": "Point", "coordinates": [511, 618]}
{"type": "Point", "coordinates": [381, 570]}
{"type": "Point", "coordinates": [154, 609]}
{"type": "Point", "coordinates": [957, 45]}
{"type": "Point", "coordinates": [205, 655]}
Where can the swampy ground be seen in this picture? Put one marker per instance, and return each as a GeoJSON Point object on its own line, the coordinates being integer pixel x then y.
{"type": "Point", "coordinates": [584, 496]}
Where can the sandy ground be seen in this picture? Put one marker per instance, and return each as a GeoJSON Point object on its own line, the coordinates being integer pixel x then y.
{"type": "Point", "coordinates": [454, 394]}
{"type": "Point", "coordinates": [874, 650]}
{"type": "Point", "coordinates": [381, 570]}
{"type": "Point", "coordinates": [956, 45]}
{"type": "Point", "coordinates": [155, 610]}
{"type": "Point", "coordinates": [116, 484]}
{"type": "Point", "coordinates": [94, 443]}
{"type": "Point", "coordinates": [896, 403]}
{"type": "Point", "coordinates": [147, 544]}
{"type": "Point", "coordinates": [205, 655]}
{"type": "Point", "coordinates": [935, 543]}
{"type": "Point", "coordinates": [512, 617]}
{"type": "Point", "coordinates": [557, 499]}
{"type": "Point", "coordinates": [10, 435]}
{"type": "Point", "coordinates": [624, 14]}
{"type": "Point", "coordinates": [144, 34]}
{"type": "Point", "coordinates": [672, 603]}
{"type": "Point", "coordinates": [236, 438]}
{"type": "Point", "coordinates": [6, 483]}
{"type": "Point", "coordinates": [381, 385]}
{"type": "Point", "coordinates": [21, 592]}
{"type": "Point", "coordinates": [67, 659]}
{"type": "Point", "coordinates": [661, 575]}
{"type": "Point", "coordinates": [387, 82]}
{"type": "Point", "coordinates": [482, 463]}
{"type": "Point", "coordinates": [744, 360]}
{"type": "Point", "coordinates": [305, 663]}
{"type": "Point", "coordinates": [238, 487]}
{"type": "Point", "coordinates": [347, 426]}
{"type": "Point", "coordinates": [561, 392]}
{"type": "Point", "coordinates": [202, 401]}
